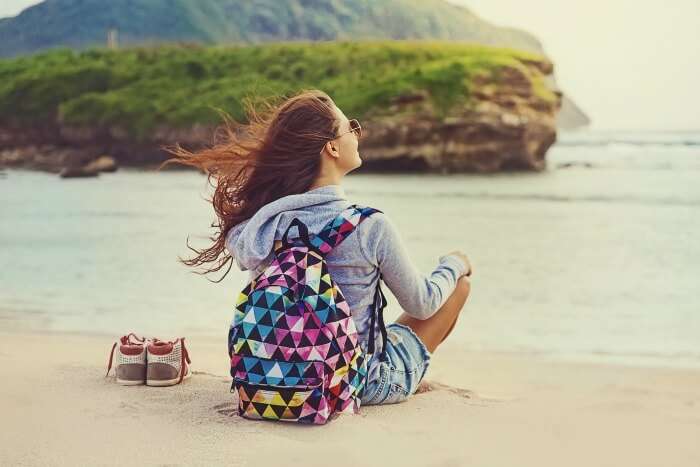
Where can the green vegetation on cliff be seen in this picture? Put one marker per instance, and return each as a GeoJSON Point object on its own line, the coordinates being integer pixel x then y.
{"type": "Point", "coordinates": [140, 89]}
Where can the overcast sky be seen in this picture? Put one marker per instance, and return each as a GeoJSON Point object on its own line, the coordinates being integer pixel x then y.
{"type": "Point", "coordinates": [629, 64]}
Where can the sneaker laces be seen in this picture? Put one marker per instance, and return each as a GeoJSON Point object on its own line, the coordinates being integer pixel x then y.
{"type": "Point", "coordinates": [185, 356]}
{"type": "Point", "coordinates": [124, 340]}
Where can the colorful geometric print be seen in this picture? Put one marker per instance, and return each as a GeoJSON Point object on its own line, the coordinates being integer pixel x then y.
{"type": "Point", "coordinates": [303, 405]}
{"type": "Point", "coordinates": [294, 348]}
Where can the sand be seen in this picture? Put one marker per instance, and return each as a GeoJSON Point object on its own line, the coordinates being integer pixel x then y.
{"type": "Point", "coordinates": [486, 410]}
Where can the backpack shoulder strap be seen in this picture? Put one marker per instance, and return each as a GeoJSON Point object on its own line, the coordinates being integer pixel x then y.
{"type": "Point", "coordinates": [341, 227]}
{"type": "Point", "coordinates": [333, 233]}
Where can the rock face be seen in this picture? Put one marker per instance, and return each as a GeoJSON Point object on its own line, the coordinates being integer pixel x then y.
{"type": "Point", "coordinates": [67, 161]}
{"type": "Point", "coordinates": [73, 152]}
{"type": "Point", "coordinates": [91, 169]}
{"type": "Point", "coordinates": [506, 127]}
{"type": "Point", "coordinates": [476, 142]}
{"type": "Point", "coordinates": [485, 140]}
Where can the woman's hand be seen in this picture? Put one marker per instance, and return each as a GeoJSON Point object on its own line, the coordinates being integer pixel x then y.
{"type": "Point", "coordinates": [464, 259]}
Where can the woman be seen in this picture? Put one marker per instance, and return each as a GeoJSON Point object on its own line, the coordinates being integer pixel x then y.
{"type": "Point", "coordinates": [290, 163]}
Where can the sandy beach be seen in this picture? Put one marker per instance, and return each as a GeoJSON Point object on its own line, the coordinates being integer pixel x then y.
{"type": "Point", "coordinates": [553, 146]}
{"type": "Point", "coordinates": [487, 410]}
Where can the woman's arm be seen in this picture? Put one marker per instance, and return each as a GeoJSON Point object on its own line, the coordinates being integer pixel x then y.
{"type": "Point", "coordinates": [418, 294]}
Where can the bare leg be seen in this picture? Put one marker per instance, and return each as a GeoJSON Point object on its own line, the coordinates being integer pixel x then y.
{"type": "Point", "coordinates": [450, 330]}
{"type": "Point", "coordinates": [434, 330]}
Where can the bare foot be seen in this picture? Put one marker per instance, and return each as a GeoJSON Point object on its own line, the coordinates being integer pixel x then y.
{"type": "Point", "coordinates": [425, 386]}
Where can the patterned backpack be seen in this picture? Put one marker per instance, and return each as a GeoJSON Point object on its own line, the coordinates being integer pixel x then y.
{"type": "Point", "coordinates": [294, 348]}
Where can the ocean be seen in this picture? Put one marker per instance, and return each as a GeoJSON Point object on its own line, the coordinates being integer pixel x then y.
{"type": "Point", "coordinates": [597, 258]}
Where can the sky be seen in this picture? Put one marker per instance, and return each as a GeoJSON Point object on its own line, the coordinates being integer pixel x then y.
{"type": "Point", "coordinates": [629, 64]}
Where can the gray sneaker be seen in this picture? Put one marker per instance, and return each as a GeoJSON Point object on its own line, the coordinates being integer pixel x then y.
{"type": "Point", "coordinates": [167, 362]}
{"type": "Point", "coordinates": [130, 365]}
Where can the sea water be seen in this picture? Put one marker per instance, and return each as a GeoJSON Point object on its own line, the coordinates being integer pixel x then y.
{"type": "Point", "coordinates": [599, 259]}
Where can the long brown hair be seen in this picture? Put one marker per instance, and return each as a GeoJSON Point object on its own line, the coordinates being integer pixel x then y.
{"type": "Point", "coordinates": [277, 153]}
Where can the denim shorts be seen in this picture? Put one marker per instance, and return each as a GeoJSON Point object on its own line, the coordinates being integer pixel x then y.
{"type": "Point", "coordinates": [401, 367]}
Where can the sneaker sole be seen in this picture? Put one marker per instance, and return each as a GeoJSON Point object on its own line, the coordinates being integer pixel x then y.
{"type": "Point", "coordinates": [129, 382]}
{"type": "Point", "coordinates": [167, 382]}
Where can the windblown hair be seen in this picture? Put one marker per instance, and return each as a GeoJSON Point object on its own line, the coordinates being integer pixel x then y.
{"type": "Point", "coordinates": [277, 153]}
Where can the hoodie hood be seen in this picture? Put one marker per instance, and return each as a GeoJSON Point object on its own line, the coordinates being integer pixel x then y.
{"type": "Point", "coordinates": [251, 242]}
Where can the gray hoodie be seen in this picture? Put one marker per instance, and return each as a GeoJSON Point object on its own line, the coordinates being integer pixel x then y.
{"type": "Point", "coordinates": [375, 246]}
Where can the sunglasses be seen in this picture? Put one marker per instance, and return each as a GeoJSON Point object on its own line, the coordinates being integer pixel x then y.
{"type": "Point", "coordinates": [354, 128]}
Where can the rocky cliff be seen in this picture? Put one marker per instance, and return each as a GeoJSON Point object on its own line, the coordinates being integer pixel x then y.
{"type": "Point", "coordinates": [506, 126]}
{"type": "Point", "coordinates": [474, 110]}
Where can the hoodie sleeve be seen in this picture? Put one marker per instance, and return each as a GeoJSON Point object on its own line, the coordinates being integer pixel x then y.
{"type": "Point", "coordinates": [418, 294]}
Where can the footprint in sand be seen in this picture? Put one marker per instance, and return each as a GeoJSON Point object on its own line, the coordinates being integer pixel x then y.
{"type": "Point", "coordinates": [212, 375]}
{"type": "Point", "coordinates": [427, 386]}
{"type": "Point", "coordinates": [228, 409]}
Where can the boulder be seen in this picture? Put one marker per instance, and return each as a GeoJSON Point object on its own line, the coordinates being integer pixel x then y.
{"type": "Point", "coordinates": [77, 172]}
{"type": "Point", "coordinates": [101, 164]}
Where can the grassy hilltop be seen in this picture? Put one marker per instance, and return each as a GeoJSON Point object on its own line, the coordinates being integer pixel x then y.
{"type": "Point", "coordinates": [84, 23]}
{"type": "Point", "coordinates": [143, 88]}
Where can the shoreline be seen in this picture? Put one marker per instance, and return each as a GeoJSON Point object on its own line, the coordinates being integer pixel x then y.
{"type": "Point", "coordinates": [601, 358]}
{"type": "Point", "coordinates": [488, 409]}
